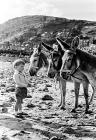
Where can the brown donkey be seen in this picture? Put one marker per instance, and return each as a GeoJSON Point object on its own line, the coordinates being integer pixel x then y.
{"type": "Point", "coordinates": [55, 63]}
{"type": "Point", "coordinates": [75, 60]}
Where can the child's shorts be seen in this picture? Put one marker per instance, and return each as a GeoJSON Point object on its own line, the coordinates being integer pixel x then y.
{"type": "Point", "coordinates": [21, 92]}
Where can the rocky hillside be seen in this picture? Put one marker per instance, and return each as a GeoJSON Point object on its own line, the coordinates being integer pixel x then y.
{"type": "Point", "coordinates": [25, 32]}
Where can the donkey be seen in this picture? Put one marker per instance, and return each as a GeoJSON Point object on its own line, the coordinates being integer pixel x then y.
{"type": "Point", "coordinates": [37, 60]}
{"type": "Point", "coordinates": [55, 64]}
{"type": "Point", "coordinates": [75, 60]}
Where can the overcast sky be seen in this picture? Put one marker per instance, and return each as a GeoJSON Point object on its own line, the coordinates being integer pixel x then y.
{"type": "Point", "coordinates": [71, 9]}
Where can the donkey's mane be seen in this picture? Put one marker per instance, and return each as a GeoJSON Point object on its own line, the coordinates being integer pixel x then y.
{"type": "Point", "coordinates": [86, 57]}
{"type": "Point", "coordinates": [44, 58]}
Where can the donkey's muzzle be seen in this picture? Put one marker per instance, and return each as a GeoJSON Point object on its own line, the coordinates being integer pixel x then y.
{"type": "Point", "coordinates": [32, 72]}
{"type": "Point", "coordinates": [66, 75]}
{"type": "Point", "coordinates": [51, 75]}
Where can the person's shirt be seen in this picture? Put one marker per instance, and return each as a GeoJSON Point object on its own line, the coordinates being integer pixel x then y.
{"type": "Point", "coordinates": [20, 79]}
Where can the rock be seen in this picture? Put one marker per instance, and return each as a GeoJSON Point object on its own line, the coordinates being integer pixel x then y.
{"type": "Point", "coordinates": [48, 85]}
{"type": "Point", "coordinates": [47, 97]}
{"type": "Point", "coordinates": [45, 89]}
{"type": "Point", "coordinates": [7, 104]}
{"type": "Point", "coordinates": [54, 138]}
{"type": "Point", "coordinates": [4, 110]}
{"type": "Point", "coordinates": [69, 130]}
{"type": "Point", "coordinates": [3, 85]}
{"type": "Point", "coordinates": [29, 85]}
{"type": "Point", "coordinates": [29, 96]}
{"type": "Point", "coordinates": [30, 105]}
{"type": "Point", "coordinates": [10, 89]}
{"type": "Point", "coordinates": [12, 99]}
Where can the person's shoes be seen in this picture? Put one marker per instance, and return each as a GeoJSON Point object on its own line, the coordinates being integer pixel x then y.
{"type": "Point", "coordinates": [22, 113]}
{"type": "Point", "coordinates": [19, 116]}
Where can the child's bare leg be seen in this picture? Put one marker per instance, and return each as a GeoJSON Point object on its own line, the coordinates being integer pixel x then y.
{"type": "Point", "coordinates": [18, 105]}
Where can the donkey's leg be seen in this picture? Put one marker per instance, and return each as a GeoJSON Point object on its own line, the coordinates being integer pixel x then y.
{"type": "Point", "coordinates": [85, 87]}
{"type": "Point", "coordinates": [62, 84]}
{"type": "Point", "coordinates": [92, 97]}
{"type": "Point", "coordinates": [77, 87]}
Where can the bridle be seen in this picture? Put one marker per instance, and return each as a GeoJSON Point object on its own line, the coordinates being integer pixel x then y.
{"type": "Point", "coordinates": [67, 74]}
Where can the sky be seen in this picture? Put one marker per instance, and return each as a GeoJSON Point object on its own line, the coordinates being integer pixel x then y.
{"type": "Point", "coordinates": [71, 9]}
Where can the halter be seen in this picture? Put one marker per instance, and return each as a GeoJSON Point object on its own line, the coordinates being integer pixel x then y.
{"type": "Point", "coordinates": [70, 73]}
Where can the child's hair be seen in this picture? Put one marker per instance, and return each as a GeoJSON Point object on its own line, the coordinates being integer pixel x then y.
{"type": "Point", "coordinates": [18, 62]}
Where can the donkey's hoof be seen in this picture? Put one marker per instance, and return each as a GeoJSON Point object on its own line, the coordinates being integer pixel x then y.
{"type": "Point", "coordinates": [88, 112]}
{"type": "Point", "coordinates": [73, 110]}
{"type": "Point", "coordinates": [63, 108]}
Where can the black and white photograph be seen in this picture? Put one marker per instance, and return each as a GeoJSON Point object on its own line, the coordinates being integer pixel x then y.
{"type": "Point", "coordinates": [47, 69]}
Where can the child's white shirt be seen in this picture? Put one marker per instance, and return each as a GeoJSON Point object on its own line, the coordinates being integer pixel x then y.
{"type": "Point", "coordinates": [20, 79]}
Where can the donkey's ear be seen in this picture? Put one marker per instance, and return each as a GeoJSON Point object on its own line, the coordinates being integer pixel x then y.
{"type": "Point", "coordinates": [39, 47]}
{"type": "Point", "coordinates": [64, 46]}
{"type": "Point", "coordinates": [47, 46]}
{"type": "Point", "coordinates": [75, 43]}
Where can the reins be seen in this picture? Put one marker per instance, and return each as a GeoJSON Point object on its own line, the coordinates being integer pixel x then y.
{"type": "Point", "coordinates": [75, 70]}
{"type": "Point", "coordinates": [70, 73]}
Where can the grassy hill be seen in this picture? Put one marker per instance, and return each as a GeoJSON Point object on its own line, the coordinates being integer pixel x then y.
{"type": "Point", "coordinates": [32, 29]}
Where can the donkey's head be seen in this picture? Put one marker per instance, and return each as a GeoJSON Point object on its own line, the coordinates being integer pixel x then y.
{"type": "Point", "coordinates": [55, 60]}
{"type": "Point", "coordinates": [37, 60]}
{"type": "Point", "coordinates": [69, 60]}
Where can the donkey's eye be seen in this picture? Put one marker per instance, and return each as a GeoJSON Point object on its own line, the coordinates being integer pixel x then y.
{"type": "Point", "coordinates": [70, 54]}
{"type": "Point", "coordinates": [54, 60]}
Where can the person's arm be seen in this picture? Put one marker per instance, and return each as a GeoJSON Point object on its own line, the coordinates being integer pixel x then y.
{"type": "Point", "coordinates": [27, 81]}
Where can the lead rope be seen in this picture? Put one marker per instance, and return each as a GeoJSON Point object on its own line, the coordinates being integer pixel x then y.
{"type": "Point", "coordinates": [72, 74]}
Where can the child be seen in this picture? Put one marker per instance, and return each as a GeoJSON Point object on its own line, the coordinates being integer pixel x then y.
{"type": "Point", "coordinates": [21, 84]}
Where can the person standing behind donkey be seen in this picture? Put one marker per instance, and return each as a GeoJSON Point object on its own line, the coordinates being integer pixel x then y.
{"type": "Point", "coordinates": [21, 85]}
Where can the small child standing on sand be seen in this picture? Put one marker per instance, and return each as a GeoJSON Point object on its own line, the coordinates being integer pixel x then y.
{"type": "Point", "coordinates": [21, 85]}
